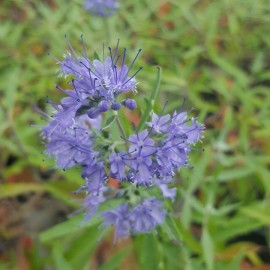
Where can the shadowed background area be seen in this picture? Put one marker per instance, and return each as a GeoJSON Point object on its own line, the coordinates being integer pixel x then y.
{"type": "Point", "coordinates": [216, 55]}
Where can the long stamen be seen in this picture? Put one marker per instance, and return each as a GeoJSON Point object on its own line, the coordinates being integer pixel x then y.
{"type": "Point", "coordinates": [140, 68]}
{"type": "Point", "coordinates": [83, 45]}
{"type": "Point", "coordinates": [131, 142]}
{"type": "Point", "coordinates": [54, 58]}
{"type": "Point", "coordinates": [116, 49]}
{"type": "Point", "coordinates": [75, 89]}
{"type": "Point", "coordinates": [123, 62]}
{"type": "Point", "coordinates": [139, 51]}
{"type": "Point", "coordinates": [71, 48]}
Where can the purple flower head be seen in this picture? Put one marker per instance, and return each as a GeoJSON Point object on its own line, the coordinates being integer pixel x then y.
{"type": "Point", "coordinates": [70, 146]}
{"type": "Point", "coordinates": [119, 217]}
{"type": "Point", "coordinates": [74, 137]}
{"type": "Point", "coordinates": [141, 144]}
{"type": "Point", "coordinates": [102, 8]}
{"type": "Point", "coordinates": [94, 175]}
{"type": "Point", "coordinates": [159, 124]}
{"type": "Point", "coordinates": [168, 193]}
{"type": "Point", "coordinates": [98, 83]}
{"type": "Point", "coordinates": [91, 204]}
{"type": "Point", "coordinates": [118, 166]}
{"type": "Point", "coordinates": [140, 151]}
{"type": "Point", "coordinates": [146, 216]}
{"type": "Point", "coordinates": [143, 218]}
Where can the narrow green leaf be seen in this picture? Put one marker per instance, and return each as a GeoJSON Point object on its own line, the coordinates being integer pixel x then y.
{"type": "Point", "coordinates": [82, 247]}
{"type": "Point", "coordinates": [188, 238]}
{"type": "Point", "coordinates": [147, 252]}
{"type": "Point", "coordinates": [234, 227]}
{"type": "Point", "coordinates": [109, 121]}
{"type": "Point", "coordinates": [116, 259]}
{"type": "Point", "coordinates": [73, 224]}
{"type": "Point", "coordinates": [96, 56]}
{"type": "Point", "coordinates": [59, 260]}
{"type": "Point", "coordinates": [235, 174]}
{"type": "Point", "coordinates": [262, 215]}
{"type": "Point", "coordinates": [208, 248]}
{"type": "Point", "coordinates": [151, 101]}
{"type": "Point", "coordinates": [11, 190]}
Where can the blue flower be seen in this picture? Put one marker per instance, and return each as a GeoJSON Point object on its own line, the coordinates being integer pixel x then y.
{"type": "Point", "coordinates": [91, 204]}
{"type": "Point", "coordinates": [94, 175]}
{"type": "Point", "coordinates": [120, 219]}
{"type": "Point", "coordinates": [102, 8]}
{"type": "Point", "coordinates": [143, 218]}
{"type": "Point", "coordinates": [118, 166]}
{"type": "Point", "coordinates": [168, 193]}
{"type": "Point", "coordinates": [159, 124]}
{"type": "Point", "coordinates": [74, 137]}
{"type": "Point", "coordinates": [147, 216]}
{"type": "Point", "coordinates": [70, 146]}
{"type": "Point", "coordinates": [98, 83]}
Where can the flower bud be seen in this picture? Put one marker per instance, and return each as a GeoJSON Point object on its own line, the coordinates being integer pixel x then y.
{"type": "Point", "coordinates": [104, 105]}
{"type": "Point", "coordinates": [93, 113]}
{"type": "Point", "coordinates": [130, 104]}
{"type": "Point", "coordinates": [116, 106]}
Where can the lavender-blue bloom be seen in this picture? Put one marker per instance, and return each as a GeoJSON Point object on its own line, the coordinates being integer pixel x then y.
{"type": "Point", "coordinates": [70, 146]}
{"type": "Point", "coordinates": [120, 218]}
{"type": "Point", "coordinates": [159, 124]}
{"type": "Point", "coordinates": [118, 166]}
{"type": "Point", "coordinates": [74, 137]}
{"type": "Point", "coordinates": [102, 8]}
{"type": "Point", "coordinates": [91, 204]}
{"type": "Point", "coordinates": [141, 144]}
{"type": "Point", "coordinates": [143, 218]}
{"type": "Point", "coordinates": [98, 80]}
{"type": "Point", "coordinates": [146, 216]}
{"type": "Point", "coordinates": [94, 175]}
{"type": "Point", "coordinates": [168, 193]}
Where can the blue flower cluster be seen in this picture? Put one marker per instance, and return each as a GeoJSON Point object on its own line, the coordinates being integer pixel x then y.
{"type": "Point", "coordinates": [104, 8]}
{"type": "Point", "coordinates": [142, 161]}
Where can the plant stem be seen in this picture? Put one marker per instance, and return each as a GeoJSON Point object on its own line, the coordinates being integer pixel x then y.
{"type": "Point", "coordinates": [122, 132]}
{"type": "Point", "coordinates": [120, 128]}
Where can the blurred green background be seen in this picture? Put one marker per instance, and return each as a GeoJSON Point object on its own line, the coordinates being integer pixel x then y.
{"type": "Point", "coordinates": [216, 54]}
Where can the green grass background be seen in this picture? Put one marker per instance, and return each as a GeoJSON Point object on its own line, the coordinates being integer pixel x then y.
{"type": "Point", "coordinates": [216, 54]}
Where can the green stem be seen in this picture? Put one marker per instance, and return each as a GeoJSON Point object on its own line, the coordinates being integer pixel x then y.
{"type": "Point", "coordinates": [107, 29]}
{"type": "Point", "coordinates": [122, 132]}
{"type": "Point", "coordinates": [120, 128]}
{"type": "Point", "coordinates": [151, 100]}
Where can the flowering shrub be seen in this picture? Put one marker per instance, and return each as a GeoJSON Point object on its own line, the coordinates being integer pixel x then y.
{"type": "Point", "coordinates": [144, 163]}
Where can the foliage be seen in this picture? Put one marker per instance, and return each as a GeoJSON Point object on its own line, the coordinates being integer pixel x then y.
{"type": "Point", "coordinates": [213, 53]}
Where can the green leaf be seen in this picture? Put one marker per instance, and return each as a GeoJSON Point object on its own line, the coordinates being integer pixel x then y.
{"type": "Point", "coordinates": [11, 190]}
{"type": "Point", "coordinates": [116, 259]}
{"type": "Point", "coordinates": [231, 69]}
{"type": "Point", "coordinates": [188, 239]}
{"type": "Point", "coordinates": [234, 227]}
{"type": "Point", "coordinates": [109, 121]}
{"type": "Point", "coordinates": [147, 252]}
{"type": "Point", "coordinates": [71, 225]}
{"type": "Point", "coordinates": [96, 56]}
{"type": "Point", "coordinates": [59, 260]}
{"type": "Point", "coordinates": [260, 212]}
{"type": "Point", "coordinates": [151, 101]}
{"type": "Point", "coordinates": [82, 247]}
{"type": "Point", "coordinates": [208, 248]}
{"type": "Point", "coordinates": [235, 174]}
